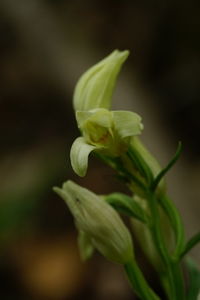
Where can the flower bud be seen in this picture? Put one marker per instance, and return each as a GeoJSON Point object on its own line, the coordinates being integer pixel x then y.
{"type": "Point", "coordinates": [99, 221]}
{"type": "Point", "coordinates": [95, 87]}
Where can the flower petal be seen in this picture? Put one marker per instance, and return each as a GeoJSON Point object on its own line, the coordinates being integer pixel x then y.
{"type": "Point", "coordinates": [100, 116]}
{"type": "Point", "coordinates": [95, 87]}
{"type": "Point", "coordinates": [86, 248]}
{"type": "Point", "coordinates": [127, 123]}
{"type": "Point", "coordinates": [79, 153]}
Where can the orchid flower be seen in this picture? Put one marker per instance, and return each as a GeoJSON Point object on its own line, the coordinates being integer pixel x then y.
{"type": "Point", "coordinates": [102, 129]}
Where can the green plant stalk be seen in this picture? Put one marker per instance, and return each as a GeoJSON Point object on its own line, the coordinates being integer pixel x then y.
{"type": "Point", "coordinates": [138, 282]}
{"type": "Point", "coordinates": [175, 287]}
{"type": "Point", "coordinates": [178, 278]}
{"type": "Point", "coordinates": [176, 222]}
{"type": "Point", "coordinates": [172, 266]}
{"type": "Point", "coordinates": [160, 245]}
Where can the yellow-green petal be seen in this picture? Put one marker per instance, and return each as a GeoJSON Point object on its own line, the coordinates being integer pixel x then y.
{"type": "Point", "coordinates": [127, 123]}
{"type": "Point", "coordinates": [79, 153]}
{"type": "Point", "coordinates": [100, 116]}
{"type": "Point", "coordinates": [95, 87]}
{"type": "Point", "coordinates": [96, 126]}
{"type": "Point", "coordinates": [86, 248]}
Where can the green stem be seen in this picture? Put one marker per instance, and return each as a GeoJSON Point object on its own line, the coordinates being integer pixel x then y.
{"type": "Point", "coordinates": [173, 271]}
{"type": "Point", "coordinates": [138, 282]}
{"type": "Point", "coordinates": [178, 279]}
{"type": "Point", "coordinates": [176, 222]}
{"type": "Point", "coordinates": [141, 178]}
{"type": "Point", "coordinates": [160, 244]}
{"type": "Point", "coordinates": [138, 161]}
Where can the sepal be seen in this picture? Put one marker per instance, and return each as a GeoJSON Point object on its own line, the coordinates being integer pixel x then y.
{"type": "Point", "coordinates": [79, 153]}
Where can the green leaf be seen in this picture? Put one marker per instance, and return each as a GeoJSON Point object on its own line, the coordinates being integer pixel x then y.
{"type": "Point", "coordinates": [126, 205]}
{"type": "Point", "coordinates": [194, 280]}
{"type": "Point", "coordinates": [79, 153]}
{"type": "Point", "coordinates": [191, 243]}
{"type": "Point", "coordinates": [167, 168]}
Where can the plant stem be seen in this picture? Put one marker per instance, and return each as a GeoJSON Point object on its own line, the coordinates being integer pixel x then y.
{"type": "Point", "coordinates": [176, 222]}
{"type": "Point", "coordinates": [139, 283]}
{"type": "Point", "coordinates": [178, 279]}
{"type": "Point", "coordinates": [160, 244]}
{"type": "Point", "coordinates": [173, 271]}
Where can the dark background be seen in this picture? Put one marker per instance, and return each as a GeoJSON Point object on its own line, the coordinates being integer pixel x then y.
{"type": "Point", "coordinates": [45, 45]}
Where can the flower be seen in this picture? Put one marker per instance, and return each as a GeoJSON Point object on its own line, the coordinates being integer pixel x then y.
{"type": "Point", "coordinates": [99, 222]}
{"type": "Point", "coordinates": [103, 130]}
{"type": "Point", "coordinates": [95, 87]}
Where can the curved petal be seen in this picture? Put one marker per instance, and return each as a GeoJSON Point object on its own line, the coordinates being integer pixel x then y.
{"type": "Point", "coordinates": [79, 153]}
{"type": "Point", "coordinates": [86, 248]}
{"type": "Point", "coordinates": [127, 123]}
{"type": "Point", "coordinates": [95, 87]}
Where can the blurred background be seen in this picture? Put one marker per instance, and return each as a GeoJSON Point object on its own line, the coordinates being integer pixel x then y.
{"type": "Point", "coordinates": [45, 45]}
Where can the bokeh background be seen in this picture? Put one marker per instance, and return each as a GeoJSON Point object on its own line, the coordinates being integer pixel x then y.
{"type": "Point", "coordinates": [45, 45]}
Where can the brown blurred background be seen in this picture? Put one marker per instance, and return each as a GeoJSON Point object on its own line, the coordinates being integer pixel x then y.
{"type": "Point", "coordinates": [45, 45]}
